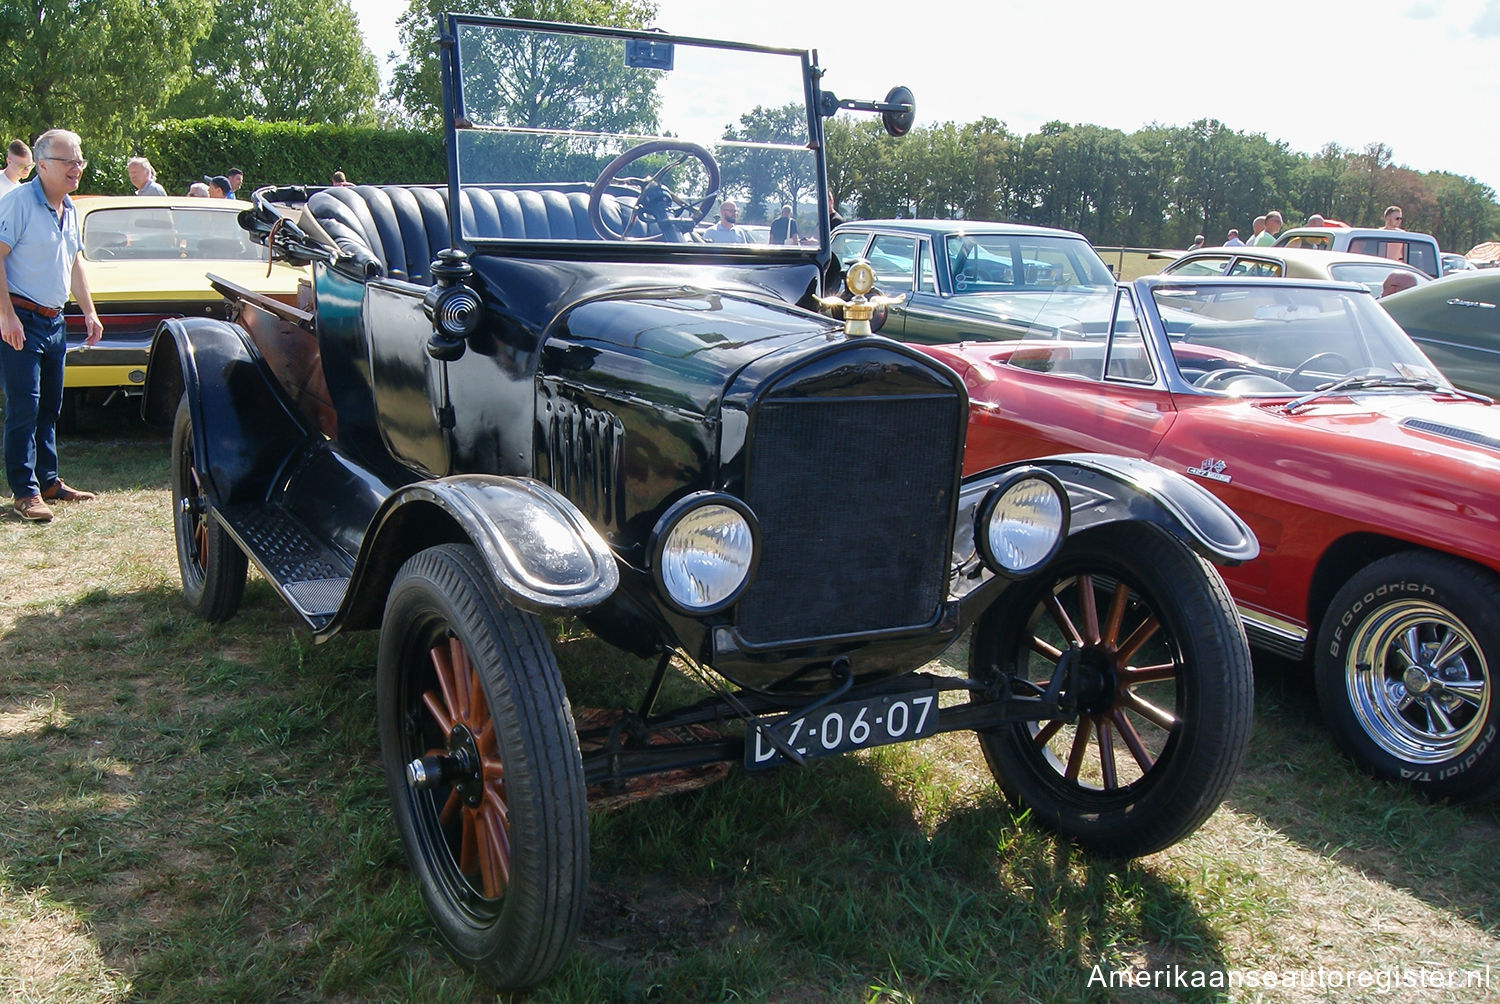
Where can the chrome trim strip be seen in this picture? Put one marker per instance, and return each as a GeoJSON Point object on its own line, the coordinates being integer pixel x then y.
{"type": "Point", "coordinates": [1273, 625]}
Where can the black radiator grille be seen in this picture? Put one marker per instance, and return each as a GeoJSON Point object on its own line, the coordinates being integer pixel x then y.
{"type": "Point", "coordinates": [853, 498]}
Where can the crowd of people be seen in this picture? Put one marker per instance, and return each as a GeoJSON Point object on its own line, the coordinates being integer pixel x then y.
{"type": "Point", "coordinates": [1264, 229]}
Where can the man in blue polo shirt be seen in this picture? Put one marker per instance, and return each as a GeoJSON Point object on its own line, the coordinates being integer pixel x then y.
{"type": "Point", "coordinates": [39, 244]}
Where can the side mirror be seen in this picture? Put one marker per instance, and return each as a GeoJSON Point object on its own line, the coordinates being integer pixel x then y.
{"type": "Point", "coordinates": [898, 111]}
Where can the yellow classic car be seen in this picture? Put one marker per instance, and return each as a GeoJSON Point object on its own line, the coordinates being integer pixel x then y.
{"type": "Point", "coordinates": [146, 259]}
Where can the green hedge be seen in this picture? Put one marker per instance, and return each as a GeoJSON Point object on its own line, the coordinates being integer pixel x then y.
{"type": "Point", "coordinates": [273, 153]}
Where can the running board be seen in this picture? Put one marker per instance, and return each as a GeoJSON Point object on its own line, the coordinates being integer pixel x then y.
{"type": "Point", "coordinates": [311, 576]}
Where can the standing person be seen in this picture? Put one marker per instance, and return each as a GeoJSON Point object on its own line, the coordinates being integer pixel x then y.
{"type": "Point", "coordinates": [1393, 218]}
{"type": "Point", "coordinates": [39, 261]}
{"type": "Point", "coordinates": [834, 218]}
{"type": "Point", "coordinates": [18, 165]}
{"type": "Point", "coordinates": [784, 227]}
{"type": "Point", "coordinates": [1273, 227]}
{"type": "Point", "coordinates": [197, 190]}
{"type": "Point", "coordinates": [339, 181]}
{"type": "Point", "coordinates": [726, 231]}
{"type": "Point", "coordinates": [236, 179]}
{"type": "Point", "coordinates": [218, 187]}
{"type": "Point", "coordinates": [1197, 242]}
{"type": "Point", "coordinates": [1256, 229]}
{"type": "Point", "coordinates": [1234, 239]}
{"type": "Point", "coordinates": [143, 177]}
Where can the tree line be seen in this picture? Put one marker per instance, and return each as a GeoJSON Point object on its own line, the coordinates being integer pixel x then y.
{"type": "Point", "coordinates": [116, 70]}
{"type": "Point", "coordinates": [1156, 187]}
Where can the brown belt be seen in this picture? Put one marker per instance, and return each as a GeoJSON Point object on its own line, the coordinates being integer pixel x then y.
{"type": "Point", "coordinates": [25, 304]}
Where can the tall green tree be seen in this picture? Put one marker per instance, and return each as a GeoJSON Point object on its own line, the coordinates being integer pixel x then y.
{"type": "Point", "coordinates": [98, 67]}
{"type": "Point", "coordinates": [416, 88]}
{"type": "Point", "coordinates": [281, 61]}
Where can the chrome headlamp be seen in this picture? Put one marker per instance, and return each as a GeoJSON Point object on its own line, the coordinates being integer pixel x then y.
{"type": "Point", "coordinates": [703, 551]}
{"type": "Point", "coordinates": [1022, 522]}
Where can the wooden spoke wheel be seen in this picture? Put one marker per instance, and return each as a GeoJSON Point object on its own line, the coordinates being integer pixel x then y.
{"type": "Point", "coordinates": [1145, 639]}
{"type": "Point", "coordinates": [483, 768]}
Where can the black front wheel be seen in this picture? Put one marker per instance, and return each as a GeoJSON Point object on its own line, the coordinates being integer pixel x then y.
{"type": "Point", "coordinates": [1151, 652]}
{"type": "Point", "coordinates": [1406, 664]}
{"type": "Point", "coordinates": [482, 767]}
{"type": "Point", "coordinates": [211, 564]}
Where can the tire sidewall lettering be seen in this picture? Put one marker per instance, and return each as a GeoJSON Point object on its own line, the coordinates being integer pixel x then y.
{"type": "Point", "coordinates": [1356, 610]}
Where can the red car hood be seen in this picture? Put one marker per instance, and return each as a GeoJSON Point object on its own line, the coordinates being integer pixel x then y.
{"type": "Point", "coordinates": [1466, 431]}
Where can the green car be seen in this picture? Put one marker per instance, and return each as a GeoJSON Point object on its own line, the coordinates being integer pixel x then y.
{"type": "Point", "coordinates": [1456, 321]}
{"type": "Point", "coordinates": [966, 280]}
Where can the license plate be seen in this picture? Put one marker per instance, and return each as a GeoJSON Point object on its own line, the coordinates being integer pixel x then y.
{"type": "Point", "coordinates": [839, 728]}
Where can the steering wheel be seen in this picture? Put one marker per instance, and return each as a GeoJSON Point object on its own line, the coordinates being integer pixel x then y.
{"type": "Point", "coordinates": [1321, 357]}
{"type": "Point", "coordinates": [1215, 379]}
{"type": "Point", "coordinates": [655, 203]}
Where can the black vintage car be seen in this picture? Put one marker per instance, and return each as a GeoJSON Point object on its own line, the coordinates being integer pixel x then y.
{"type": "Point", "coordinates": [539, 390]}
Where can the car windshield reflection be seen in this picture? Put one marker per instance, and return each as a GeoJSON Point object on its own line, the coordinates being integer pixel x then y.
{"type": "Point", "coordinates": [1269, 340]}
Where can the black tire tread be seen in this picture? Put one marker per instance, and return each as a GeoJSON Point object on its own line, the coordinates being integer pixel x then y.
{"type": "Point", "coordinates": [542, 912]}
{"type": "Point", "coordinates": [214, 592]}
{"type": "Point", "coordinates": [1207, 753]}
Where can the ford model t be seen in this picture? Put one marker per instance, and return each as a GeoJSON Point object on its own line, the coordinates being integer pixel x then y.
{"type": "Point", "coordinates": [551, 387]}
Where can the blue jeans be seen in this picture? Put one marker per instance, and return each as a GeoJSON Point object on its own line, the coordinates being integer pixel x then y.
{"type": "Point", "coordinates": [33, 400]}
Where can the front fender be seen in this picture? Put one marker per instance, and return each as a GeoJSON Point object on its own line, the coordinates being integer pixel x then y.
{"type": "Point", "coordinates": [1103, 488]}
{"type": "Point", "coordinates": [245, 428]}
{"type": "Point", "coordinates": [543, 554]}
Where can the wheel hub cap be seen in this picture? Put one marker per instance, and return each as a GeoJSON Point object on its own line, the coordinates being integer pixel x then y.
{"type": "Point", "coordinates": [1418, 682]}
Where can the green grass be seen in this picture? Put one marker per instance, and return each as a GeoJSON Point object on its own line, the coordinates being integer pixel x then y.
{"type": "Point", "coordinates": [197, 813]}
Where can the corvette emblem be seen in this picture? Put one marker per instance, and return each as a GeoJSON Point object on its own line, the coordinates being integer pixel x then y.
{"type": "Point", "coordinates": [1211, 469]}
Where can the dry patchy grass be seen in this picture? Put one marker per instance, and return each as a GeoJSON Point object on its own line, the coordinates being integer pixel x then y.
{"type": "Point", "coordinates": [196, 813]}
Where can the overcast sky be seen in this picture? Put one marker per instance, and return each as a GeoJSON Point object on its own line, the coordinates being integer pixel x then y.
{"type": "Point", "coordinates": [1419, 75]}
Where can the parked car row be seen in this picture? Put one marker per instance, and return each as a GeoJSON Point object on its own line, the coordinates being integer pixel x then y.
{"type": "Point", "coordinates": [1302, 406]}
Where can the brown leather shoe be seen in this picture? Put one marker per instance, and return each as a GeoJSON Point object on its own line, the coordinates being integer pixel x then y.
{"type": "Point", "coordinates": [33, 508]}
{"type": "Point", "coordinates": [61, 491]}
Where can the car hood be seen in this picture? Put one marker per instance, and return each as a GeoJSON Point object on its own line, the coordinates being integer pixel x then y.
{"type": "Point", "coordinates": [626, 341]}
{"type": "Point", "coordinates": [171, 281]}
{"type": "Point", "coordinates": [1435, 427]}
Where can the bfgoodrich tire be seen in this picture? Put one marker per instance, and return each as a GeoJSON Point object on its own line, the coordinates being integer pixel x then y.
{"type": "Point", "coordinates": [1406, 663]}
{"type": "Point", "coordinates": [499, 845]}
{"type": "Point", "coordinates": [1165, 696]}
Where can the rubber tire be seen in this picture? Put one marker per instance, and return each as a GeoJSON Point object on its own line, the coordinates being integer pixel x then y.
{"type": "Point", "coordinates": [1467, 593]}
{"type": "Point", "coordinates": [213, 573]}
{"type": "Point", "coordinates": [520, 939]}
{"type": "Point", "coordinates": [1214, 698]}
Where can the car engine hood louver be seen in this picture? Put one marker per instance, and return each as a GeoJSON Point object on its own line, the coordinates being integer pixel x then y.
{"type": "Point", "coordinates": [1471, 436]}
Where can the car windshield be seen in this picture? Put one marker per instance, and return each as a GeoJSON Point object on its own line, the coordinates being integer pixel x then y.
{"type": "Point", "coordinates": [165, 233]}
{"type": "Point", "coordinates": [547, 122]}
{"type": "Point", "coordinates": [1001, 263]}
{"type": "Point", "coordinates": [1266, 339]}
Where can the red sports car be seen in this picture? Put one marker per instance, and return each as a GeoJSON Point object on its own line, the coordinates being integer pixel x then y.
{"type": "Point", "coordinates": [1372, 484]}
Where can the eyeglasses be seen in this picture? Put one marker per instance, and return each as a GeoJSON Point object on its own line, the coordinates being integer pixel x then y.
{"type": "Point", "coordinates": [1398, 219]}
{"type": "Point", "coordinates": [80, 164]}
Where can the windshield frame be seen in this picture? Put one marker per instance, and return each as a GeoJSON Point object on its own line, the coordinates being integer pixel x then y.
{"type": "Point", "coordinates": [456, 123]}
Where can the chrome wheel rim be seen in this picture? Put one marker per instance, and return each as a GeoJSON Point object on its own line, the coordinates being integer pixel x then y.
{"type": "Point", "coordinates": [1418, 682]}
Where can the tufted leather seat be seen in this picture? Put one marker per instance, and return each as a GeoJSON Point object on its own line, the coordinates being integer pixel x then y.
{"type": "Point", "coordinates": [397, 230]}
